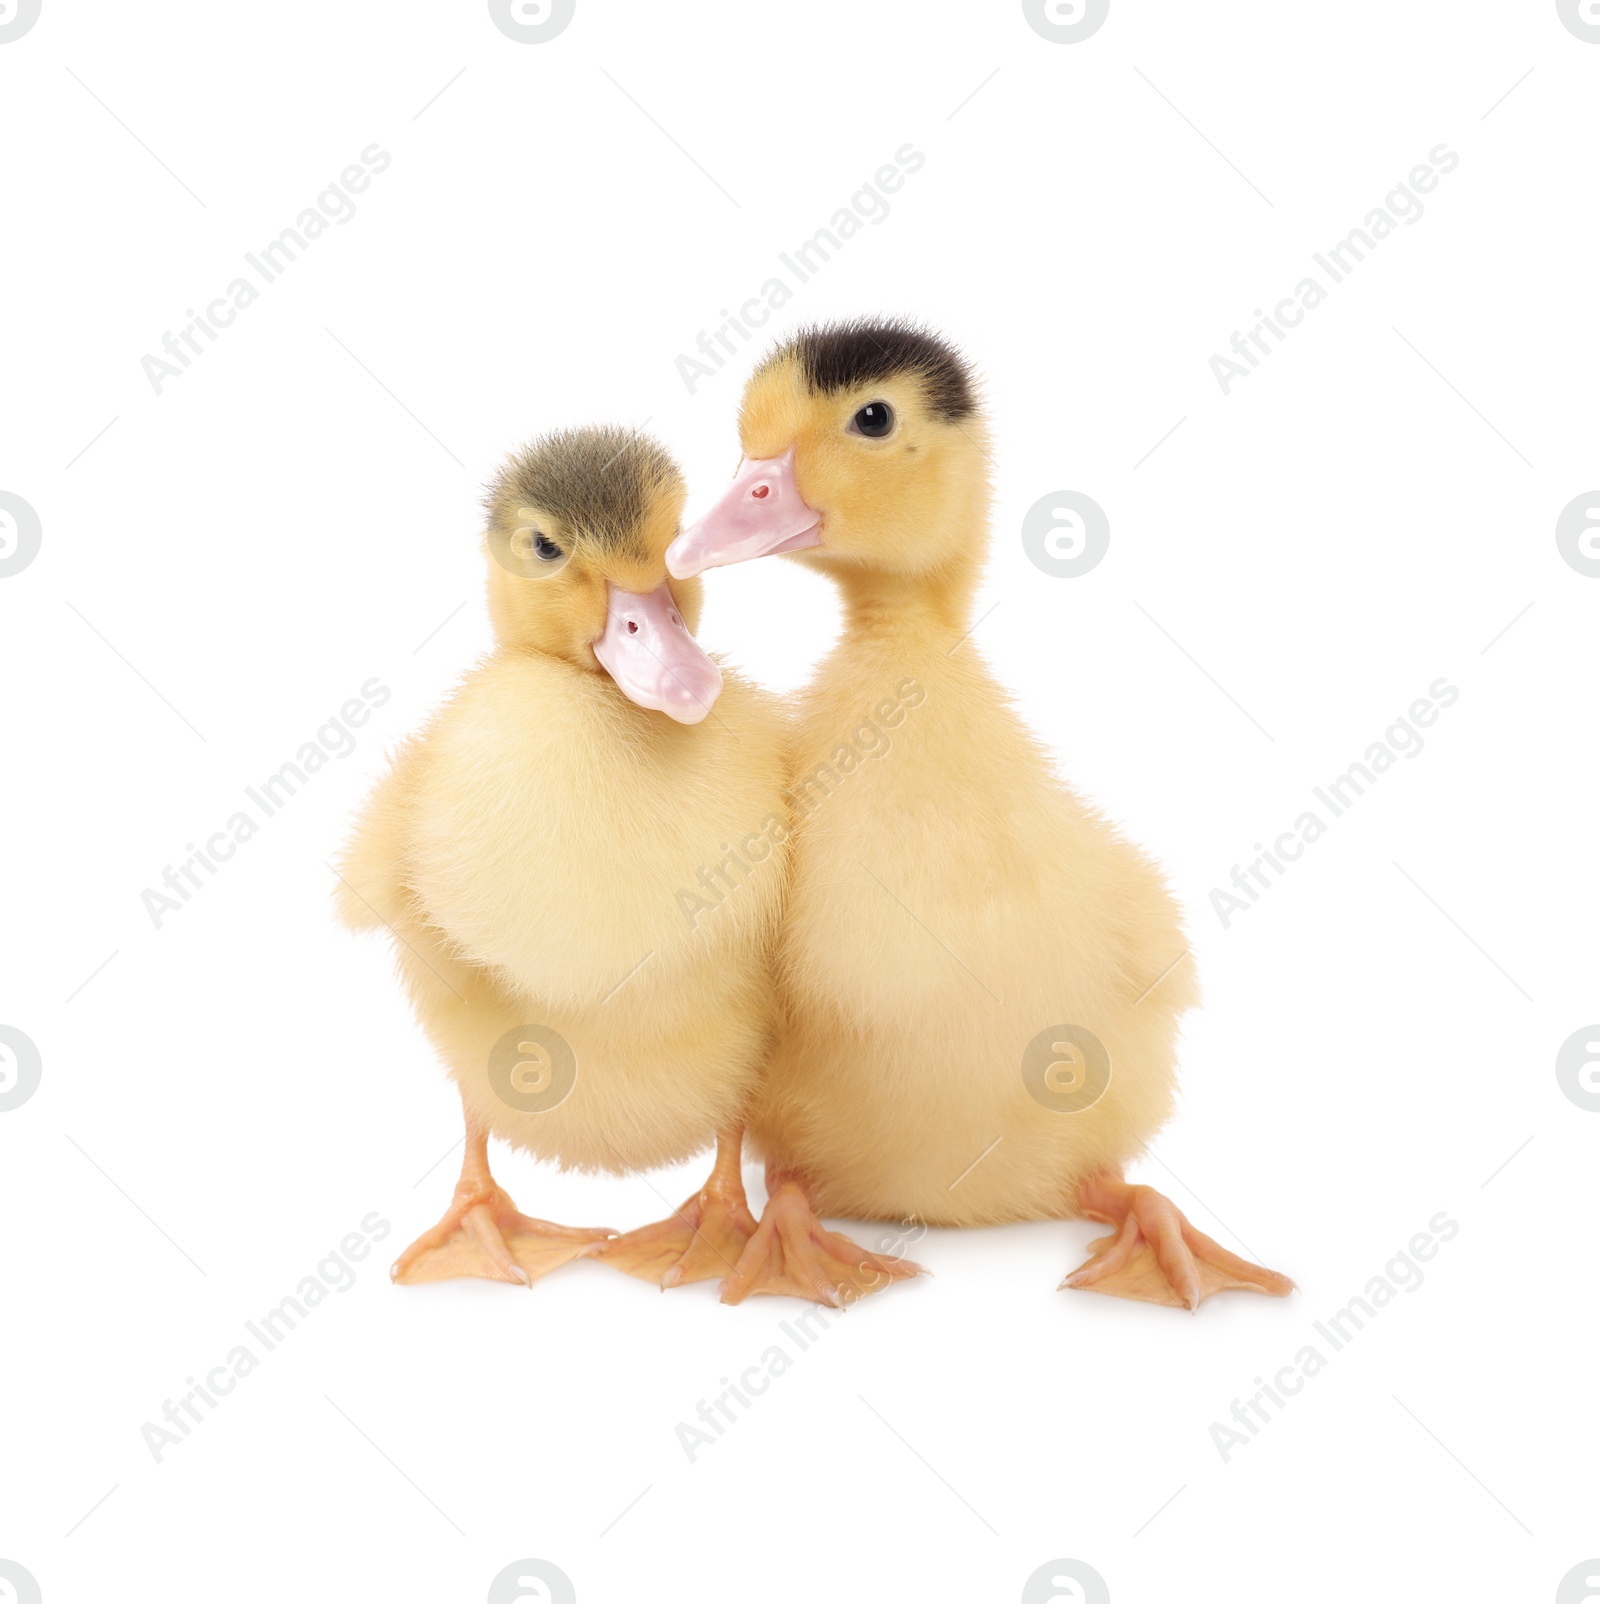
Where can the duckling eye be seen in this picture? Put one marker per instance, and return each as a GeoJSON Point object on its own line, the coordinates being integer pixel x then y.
{"type": "Point", "coordinates": [545, 548]}
{"type": "Point", "coordinates": [874, 420]}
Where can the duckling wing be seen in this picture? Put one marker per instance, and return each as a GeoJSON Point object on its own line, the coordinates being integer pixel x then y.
{"type": "Point", "coordinates": [371, 890]}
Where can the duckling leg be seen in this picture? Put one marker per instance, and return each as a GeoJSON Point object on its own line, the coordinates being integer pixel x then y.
{"type": "Point", "coordinates": [482, 1234]}
{"type": "Point", "coordinates": [793, 1254]}
{"type": "Point", "coordinates": [1156, 1255]}
{"type": "Point", "coordinates": [703, 1239]}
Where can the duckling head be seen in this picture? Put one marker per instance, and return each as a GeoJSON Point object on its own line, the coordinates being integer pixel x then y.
{"type": "Point", "coordinates": [579, 523]}
{"type": "Point", "coordinates": [864, 453]}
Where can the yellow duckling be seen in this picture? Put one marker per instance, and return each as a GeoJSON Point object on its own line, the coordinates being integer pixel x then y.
{"type": "Point", "coordinates": [983, 980]}
{"type": "Point", "coordinates": [532, 853]}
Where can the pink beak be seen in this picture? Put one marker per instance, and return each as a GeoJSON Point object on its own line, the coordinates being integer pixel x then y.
{"type": "Point", "coordinates": [648, 650]}
{"type": "Point", "coordinates": [760, 514]}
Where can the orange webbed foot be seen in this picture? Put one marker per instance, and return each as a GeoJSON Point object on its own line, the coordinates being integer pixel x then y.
{"type": "Point", "coordinates": [702, 1240]}
{"type": "Point", "coordinates": [793, 1254]}
{"type": "Point", "coordinates": [483, 1234]}
{"type": "Point", "coordinates": [1157, 1256]}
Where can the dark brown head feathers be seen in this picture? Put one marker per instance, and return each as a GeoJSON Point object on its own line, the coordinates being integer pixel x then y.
{"type": "Point", "coordinates": [597, 483]}
{"type": "Point", "coordinates": [844, 356]}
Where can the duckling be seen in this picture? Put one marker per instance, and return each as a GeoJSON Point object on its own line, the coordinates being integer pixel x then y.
{"type": "Point", "coordinates": [533, 850]}
{"type": "Point", "coordinates": [983, 979]}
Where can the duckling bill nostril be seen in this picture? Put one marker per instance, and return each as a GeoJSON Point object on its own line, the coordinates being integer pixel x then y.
{"type": "Point", "coordinates": [633, 627]}
{"type": "Point", "coordinates": [761, 491]}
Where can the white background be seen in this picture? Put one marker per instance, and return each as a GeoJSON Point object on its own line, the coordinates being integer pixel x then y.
{"type": "Point", "coordinates": [1289, 569]}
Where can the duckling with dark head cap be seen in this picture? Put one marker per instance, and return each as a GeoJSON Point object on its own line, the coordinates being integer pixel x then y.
{"type": "Point", "coordinates": [982, 978]}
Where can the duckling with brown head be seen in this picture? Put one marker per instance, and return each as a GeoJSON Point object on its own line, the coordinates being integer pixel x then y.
{"type": "Point", "coordinates": [983, 979]}
{"type": "Point", "coordinates": [530, 852]}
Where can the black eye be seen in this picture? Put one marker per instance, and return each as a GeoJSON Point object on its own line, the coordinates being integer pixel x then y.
{"type": "Point", "coordinates": [874, 420]}
{"type": "Point", "coordinates": [546, 549]}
